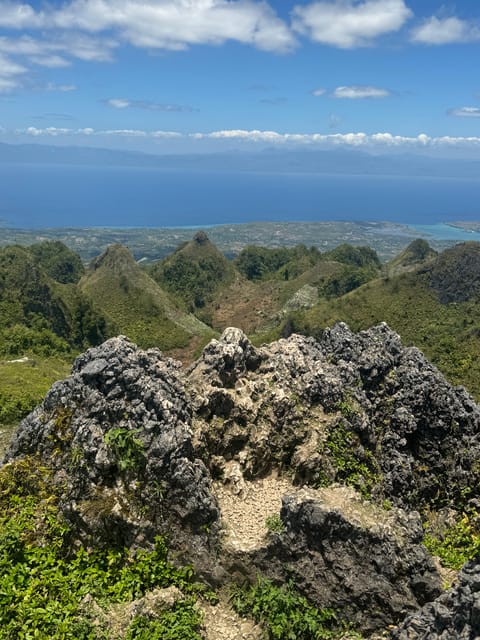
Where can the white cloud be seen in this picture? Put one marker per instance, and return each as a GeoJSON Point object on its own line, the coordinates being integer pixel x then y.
{"type": "Point", "coordinates": [438, 31]}
{"type": "Point", "coordinates": [321, 140]}
{"type": "Point", "coordinates": [465, 112]}
{"type": "Point", "coordinates": [124, 103]}
{"type": "Point", "coordinates": [14, 15]}
{"type": "Point", "coordinates": [357, 139]}
{"type": "Point", "coordinates": [128, 133]}
{"type": "Point", "coordinates": [162, 24]}
{"type": "Point", "coordinates": [118, 103]}
{"type": "Point", "coordinates": [63, 88]}
{"type": "Point", "coordinates": [356, 92]}
{"type": "Point", "coordinates": [349, 23]}
{"type": "Point", "coordinates": [318, 92]}
{"type": "Point", "coordinates": [10, 73]}
{"type": "Point", "coordinates": [53, 61]}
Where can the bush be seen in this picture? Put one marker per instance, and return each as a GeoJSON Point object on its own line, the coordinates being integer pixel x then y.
{"type": "Point", "coordinates": [283, 612]}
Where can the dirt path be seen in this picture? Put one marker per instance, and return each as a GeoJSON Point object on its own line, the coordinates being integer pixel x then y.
{"type": "Point", "coordinates": [222, 623]}
{"type": "Point", "coordinates": [245, 506]}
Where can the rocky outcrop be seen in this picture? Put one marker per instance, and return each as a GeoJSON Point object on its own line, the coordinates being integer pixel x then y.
{"type": "Point", "coordinates": [355, 408]}
{"type": "Point", "coordinates": [116, 437]}
{"type": "Point", "coordinates": [455, 614]}
{"type": "Point", "coordinates": [132, 441]}
{"type": "Point", "coordinates": [342, 552]}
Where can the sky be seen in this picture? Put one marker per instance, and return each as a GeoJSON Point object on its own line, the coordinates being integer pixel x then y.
{"type": "Point", "coordinates": [177, 76]}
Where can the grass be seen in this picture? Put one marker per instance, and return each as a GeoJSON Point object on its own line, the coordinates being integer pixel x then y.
{"type": "Point", "coordinates": [448, 334]}
{"type": "Point", "coordinates": [44, 580]}
{"type": "Point", "coordinates": [23, 385]}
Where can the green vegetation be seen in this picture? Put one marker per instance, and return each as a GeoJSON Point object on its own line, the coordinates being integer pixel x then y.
{"type": "Point", "coordinates": [127, 448]}
{"type": "Point", "coordinates": [181, 622]}
{"type": "Point", "coordinates": [44, 581]}
{"type": "Point", "coordinates": [448, 334]}
{"type": "Point", "coordinates": [354, 465]}
{"type": "Point", "coordinates": [354, 256]}
{"type": "Point", "coordinates": [417, 253]}
{"type": "Point", "coordinates": [455, 274]}
{"type": "Point", "coordinates": [194, 272]}
{"type": "Point", "coordinates": [274, 523]}
{"type": "Point", "coordinates": [23, 385]}
{"type": "Point", "coordinates": [260, 263]}
{"type": "Point", "coordinates": [30, 298]}
{"type": "Point", "coordinates": [284, 613]}
{"type": "Point", "coordinates": [58, 261]}
{"type": "Point", "coordinates": [457, 543]}
{"type": "Point", "coordinates": [136, 305]}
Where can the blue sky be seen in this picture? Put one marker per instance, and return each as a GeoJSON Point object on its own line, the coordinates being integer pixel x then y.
{"type": "Point", "coordinates": [167, 76]}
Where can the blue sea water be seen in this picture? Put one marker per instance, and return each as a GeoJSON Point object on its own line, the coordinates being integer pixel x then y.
{"type": "Point", "coordinates": [80, 196]}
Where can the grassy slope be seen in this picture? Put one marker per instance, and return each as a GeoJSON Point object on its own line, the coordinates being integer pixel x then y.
{"type": "Point", "coordinates": [447, 334]}
{"type": "Point", "coordinates": [23, 385]}
{"type": "Point", "coordinates": [136, 305]}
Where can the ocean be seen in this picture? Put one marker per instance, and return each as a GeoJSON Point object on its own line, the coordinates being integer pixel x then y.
{"type": "Point", "coordinates": [34, 196]}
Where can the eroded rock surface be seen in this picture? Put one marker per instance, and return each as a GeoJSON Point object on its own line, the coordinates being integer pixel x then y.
{"type": "Point", "coordinates": [454, 615]}
{"type": "Point", "coordinates": [134, 442]}
{"type": "Point", "coordinates": [354, 408]}
{"type": "Point", "coordinates": [345, 553]}
{"type": "Point", "coordinates": [116, 436]}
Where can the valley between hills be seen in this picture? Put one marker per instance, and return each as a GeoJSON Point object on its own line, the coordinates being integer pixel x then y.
{"type": "Point", "coordinates": [313, 472]}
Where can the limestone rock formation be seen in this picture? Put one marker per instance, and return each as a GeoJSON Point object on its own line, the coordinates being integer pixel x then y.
{"type": "Point", "coordinates": [455, 614]}
{"type": "Point", "coordinates": [369, 432]}
{"type": "Point", "coordinates": [354, 408]}
{"type": "Point", "coordinates": [116, 436]}
{"type": "Point", "coordinates": [347, 554]}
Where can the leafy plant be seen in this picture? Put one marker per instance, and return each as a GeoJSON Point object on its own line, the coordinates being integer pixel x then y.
{"type": "Point", "coordinates": [458, 543]}
{"type": "Point", "coordinates": [354, 466]}
{"type": "Point", "coordinates": [181, 622]}
{"type": "Point", "coordinates": [274, 523]}
{"type": "Point", "coordinates": [127, 448]}
{"type": "Point", "coordinates": [285, 614]}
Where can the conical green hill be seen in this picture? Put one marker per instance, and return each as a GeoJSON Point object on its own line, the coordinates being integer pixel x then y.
{"type": "Point", "coordinates": [136, 304]}
{"type": "Point", "coordinates": [195, 272]}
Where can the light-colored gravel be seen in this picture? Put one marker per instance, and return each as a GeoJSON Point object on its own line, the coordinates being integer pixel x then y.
{"type": "Point", "coordinates": [245, 506]}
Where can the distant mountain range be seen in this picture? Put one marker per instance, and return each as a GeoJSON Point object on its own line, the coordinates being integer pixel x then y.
{"type": "Point", "coordinates": [335, 161]}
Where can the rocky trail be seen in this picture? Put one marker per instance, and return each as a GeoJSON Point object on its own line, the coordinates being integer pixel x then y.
{"type": "Point", "coordinates": [307, 462]}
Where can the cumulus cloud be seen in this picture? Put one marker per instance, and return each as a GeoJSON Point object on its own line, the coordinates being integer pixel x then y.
{"type": "Point", "coordinates": [320, 91]}
{"type": "Point", "coordinates": [465, 112]}
{"type": "Point", "coordinates": [357, 139]}
{"type": "Point", "coordinates": [161, 24]}
{"type": "Point", "coordinates": [15, 15]}
{"type": "Point", "coordinates": [438, 31]}
{"type": "Point", "coordinates": [356, 92]}
{"type": "Point", "coordinates": [321, 140]}
{"type": "Point", "coordinates": [349, 23]}
{"type": "Point", "coordinates": [124, 103]}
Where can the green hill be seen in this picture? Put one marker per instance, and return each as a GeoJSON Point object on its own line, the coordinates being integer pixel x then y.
{"type": "Point", "coordinates": [136, 305]}
{"type": "Point", "coordinates": [45, 320]}
{"type": "Point", "coordinates": [417, 253]}
{"type": "Point", "coordinates": [194, 272]}
{"type": "Point", "coordinates": [447, 332]}
{"type": "Point", "coordinates": [455, 274]}
{"type": "Point", "coordinates": [40, 313]}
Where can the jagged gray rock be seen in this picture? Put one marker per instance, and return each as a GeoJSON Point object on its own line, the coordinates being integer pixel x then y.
{"type": "Point", "coordinates": [356, 408]}
{"type": "Point", "coordinates": [116, 435]}
{"type": "Point", "coordinates": [454, 615]}
{"type": "Point", "coordinates": [133, 441]}
{"type": "Point", "coordinates": [347, 554]}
